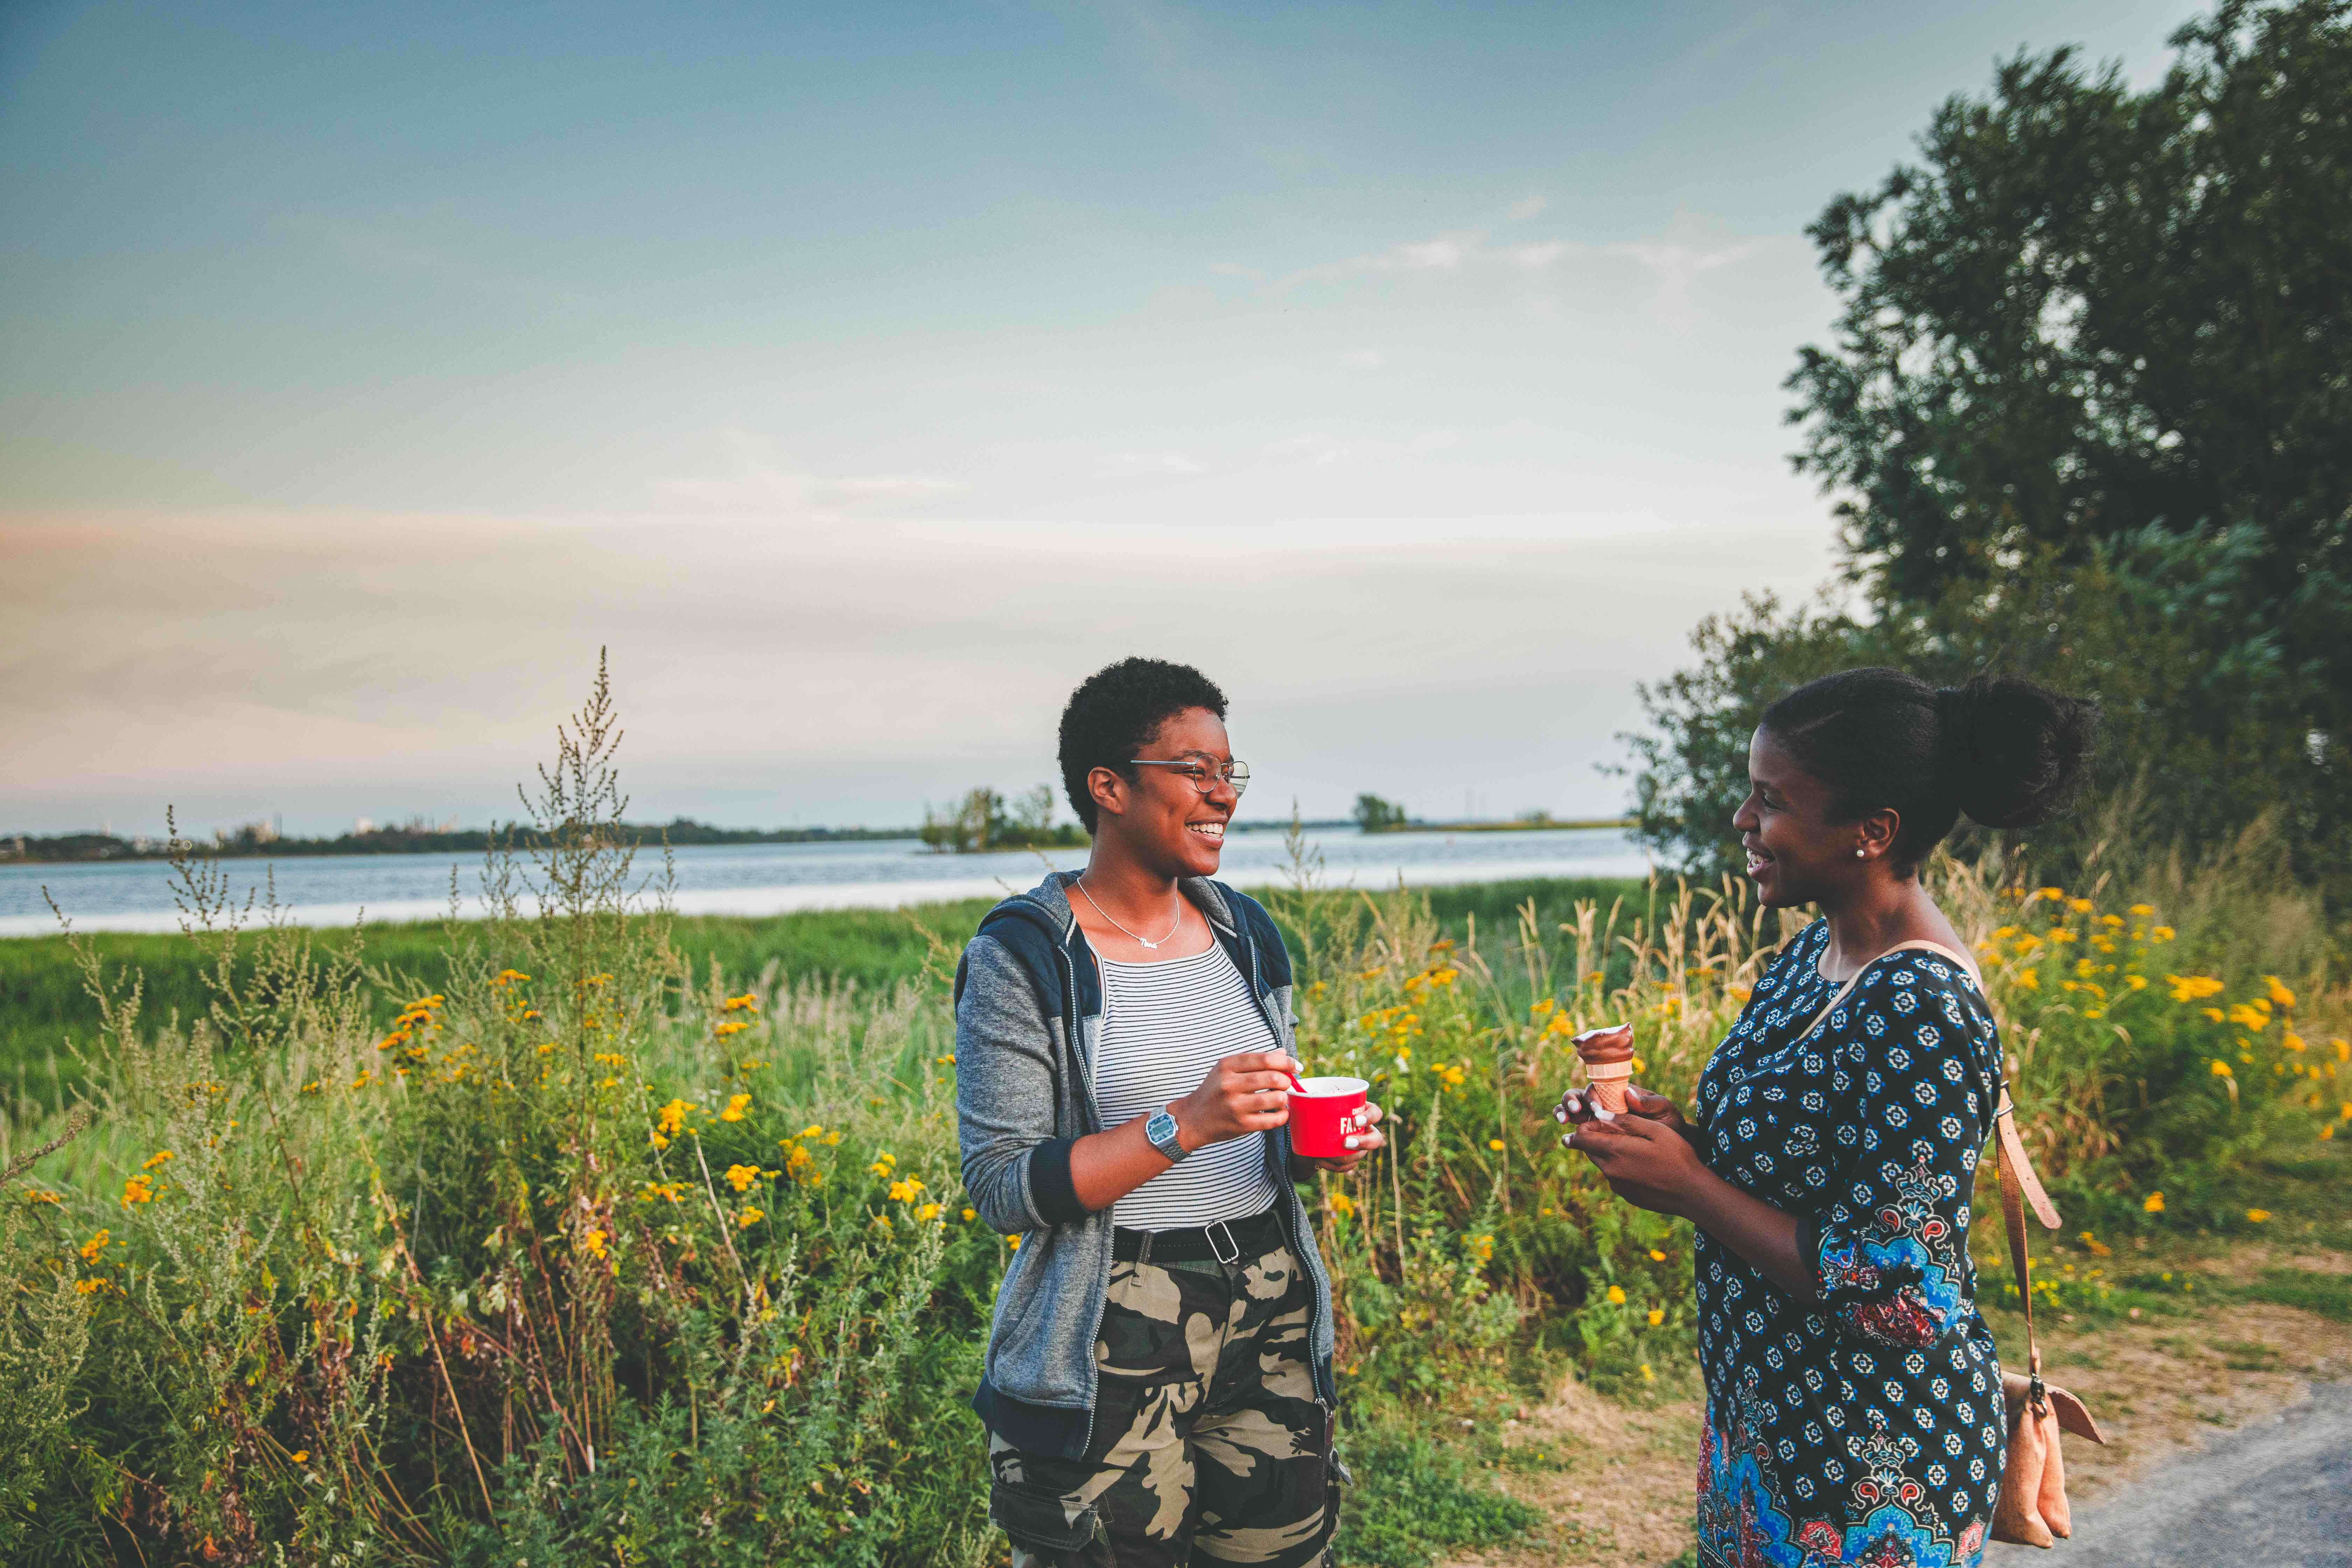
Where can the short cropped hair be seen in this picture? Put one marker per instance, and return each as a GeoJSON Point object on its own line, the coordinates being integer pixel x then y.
{"type": "Point", "coordinates": [1117, 711]}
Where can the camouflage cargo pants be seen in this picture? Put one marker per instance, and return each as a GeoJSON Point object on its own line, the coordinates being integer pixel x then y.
{"type": "Point", "coordinates": [1209, 1443]}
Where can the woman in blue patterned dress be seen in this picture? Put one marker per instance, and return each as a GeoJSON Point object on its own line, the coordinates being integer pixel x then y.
{"type": "Point", "coordinates": [1853, 1402]}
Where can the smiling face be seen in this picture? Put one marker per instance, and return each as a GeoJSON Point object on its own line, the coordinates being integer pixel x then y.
{"type": "Point", "coordinates": [1160, 817]}
{"type": "Point", "coordinates": [1796, 855]}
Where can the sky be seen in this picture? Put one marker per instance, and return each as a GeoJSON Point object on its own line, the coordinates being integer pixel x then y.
{"type": "Point", "coordinates": [860, 378]}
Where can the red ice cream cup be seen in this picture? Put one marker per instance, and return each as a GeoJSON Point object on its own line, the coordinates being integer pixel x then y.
{"type": "Point", "coordinates": [1325, 1115]}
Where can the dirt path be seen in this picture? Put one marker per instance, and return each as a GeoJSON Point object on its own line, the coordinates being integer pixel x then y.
{"type": "Point", "coordinates": [2278, 1490]}
{"type": "Point", "coordinates": [2161, 1388]}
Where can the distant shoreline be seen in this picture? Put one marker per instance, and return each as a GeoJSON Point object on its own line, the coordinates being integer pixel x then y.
{"type": "Point", "coordinates": [250, 844]}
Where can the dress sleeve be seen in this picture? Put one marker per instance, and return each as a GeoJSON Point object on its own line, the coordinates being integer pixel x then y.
{"type": "Point", "coordinates": [1909, 1078]}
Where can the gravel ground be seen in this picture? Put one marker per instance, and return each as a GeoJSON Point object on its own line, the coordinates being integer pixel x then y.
{"type": "Point", "coordinates": [2277, 1491]}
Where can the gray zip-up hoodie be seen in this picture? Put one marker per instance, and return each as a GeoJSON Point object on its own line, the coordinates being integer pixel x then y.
{"type": "Point", "coordinates": [1029, 1004]}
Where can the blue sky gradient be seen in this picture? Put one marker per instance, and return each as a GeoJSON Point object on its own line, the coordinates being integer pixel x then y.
{"type": "Point", "coordinates": [863, 376]}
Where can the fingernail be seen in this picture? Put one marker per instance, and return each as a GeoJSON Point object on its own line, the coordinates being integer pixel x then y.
{"type": "Point", "coordinates": [1568, 1140]}
{"type": "Point", "coordinates": [1352, 1143]}
{"type": "Point", "coordinates": [1559, 1113]}
{"type": "Point", "coordinates": [1603, 1113]}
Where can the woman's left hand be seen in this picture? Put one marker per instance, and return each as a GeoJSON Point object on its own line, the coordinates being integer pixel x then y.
{"type": "Point", "coordinates": [1360, 1144]}
{"type": "Point", "coordinates": [1647, 1162]}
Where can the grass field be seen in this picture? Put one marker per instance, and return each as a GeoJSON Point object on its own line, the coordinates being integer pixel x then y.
{"type": "Point", "coordinates": [44, 1003]}
{"type": "Point", "coordinates": [470, 1251]}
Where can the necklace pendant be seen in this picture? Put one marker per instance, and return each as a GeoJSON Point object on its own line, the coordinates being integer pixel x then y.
{"type": "Point", "coordinates": [1152, 946]}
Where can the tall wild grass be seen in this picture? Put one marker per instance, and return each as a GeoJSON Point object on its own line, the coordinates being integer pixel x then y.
{"type": "Point", "coordinates": [574, 1248]}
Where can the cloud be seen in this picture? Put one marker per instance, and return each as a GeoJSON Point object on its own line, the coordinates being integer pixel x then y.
{"type": "Point", "coordinates": [1676, 267]}
{"type": "Point", "coordinates": [386, 254]}
{"type": "Point", "coordinates": [1362, 358]}
{"type": "Point", "coordinates": [1446, 253]}
{"type": "Point", "coordinates": [1148, 465]}
{"type": "Point", "coordinates": [1527, 207]}
{"type": "Point", "coordinates": [755, 478]}
{"type": "Point", "coordinates": [1318, 449]}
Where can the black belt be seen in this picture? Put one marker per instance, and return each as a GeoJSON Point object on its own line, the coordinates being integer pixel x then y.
{"type": "Point", "coordinates": [1227, 1241]}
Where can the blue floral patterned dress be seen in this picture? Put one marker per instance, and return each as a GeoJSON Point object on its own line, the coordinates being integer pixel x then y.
{"type": "Point", "coordinates": [1866, 1428]}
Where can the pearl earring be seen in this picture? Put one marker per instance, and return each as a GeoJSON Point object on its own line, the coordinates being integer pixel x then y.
{"type": "Point", "coordinates": [1858, 854]}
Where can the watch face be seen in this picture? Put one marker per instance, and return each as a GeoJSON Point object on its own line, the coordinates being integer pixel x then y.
{"type": "Point", "coordinates": [1161, 1131]}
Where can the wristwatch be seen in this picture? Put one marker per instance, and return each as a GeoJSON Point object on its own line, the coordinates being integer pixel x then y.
{"type": "Point", "coordinates": [1161, 1131]}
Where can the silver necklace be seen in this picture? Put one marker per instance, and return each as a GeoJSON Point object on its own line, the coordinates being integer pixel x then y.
{"type": "Point", "coordinates": [1149, 945]}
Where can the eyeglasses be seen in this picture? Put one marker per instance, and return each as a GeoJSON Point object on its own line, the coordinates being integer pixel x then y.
{"type": "Point", "coordinates": [1205, 771]}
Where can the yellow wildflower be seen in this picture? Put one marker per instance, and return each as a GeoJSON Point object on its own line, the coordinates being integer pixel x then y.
{"type": "Point", "coordinates": [928, 1211]}
{"type": "Point", "coordinates": [2143, 909]}
{"type": "Point", "coordinates": [96, 1244]}
{"type": "Point", "coordinates": [1496, 1145]}
{"type": "Point", "coordinates": [593, 1240]}
{"type": "Point", "coordinates": [970, 1214]}
{"type": "Point", "coordinates": [42, 1196]}
{"type": "Point", "coordinates": [2052, 894]}
{"type": "Point", "coordinates": [160, 1157]}
{"type": "Point", "coordinates": [740, 1177]}
{"type": "Point", "coordinates": [735, 1104]}
{"type": "Point", "coordinates": [2258, 1215]}
{"type": "Point", "coordinates": [2221, 1069]}
{"type": "Point", "coordinates": [1656, 1257]}
{"type": "Point", "coordinates": [138, 1190]}
{"type": "Point", "coordinates": [2162, 933]}
{"type": "Point", "coordinates": [748, 1218]}
{"type": "Point", "coordinates": [1657, 1316]}
{"type": "Point", "coordinates": [2280, 996]}
{"type": "Point", "coordinates": [1739, 994]}
{"type": "Point", "coordinates": [1343, 1205]}
{"type": "Point", "coordinates": [904, 1192]}
{"type": "Point", "coordinates": [1616, 1295]}
{"type": "Point", "coordinates": [2080, 906]}
{"type": "Point", "coordinates": [2137, 982]}
{"type": "Point", "coordinates": [1013, 1242]}
{"type": "Point", "coordinates": [2153, 1205]}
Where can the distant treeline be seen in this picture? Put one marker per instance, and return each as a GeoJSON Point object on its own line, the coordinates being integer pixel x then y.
{"type": "Point", "coordinates": [409, 840]}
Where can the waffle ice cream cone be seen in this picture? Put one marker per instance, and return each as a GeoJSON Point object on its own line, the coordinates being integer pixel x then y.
{"type": "Point", "coordinates": [1608, 1057]}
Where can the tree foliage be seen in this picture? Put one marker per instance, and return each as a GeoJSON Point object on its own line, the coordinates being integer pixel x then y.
{"type": "Point", "coordinates": [2087, 416]}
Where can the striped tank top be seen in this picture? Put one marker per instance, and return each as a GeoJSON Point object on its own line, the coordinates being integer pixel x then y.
{"type": "Point", "coordinates": [1164, 1026]}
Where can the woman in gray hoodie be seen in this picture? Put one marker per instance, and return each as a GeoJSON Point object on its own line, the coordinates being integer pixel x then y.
{"type": "Point", "coordinates": [1159, 1385]}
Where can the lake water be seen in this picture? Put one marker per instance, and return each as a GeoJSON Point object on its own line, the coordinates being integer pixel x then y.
{"type": "Point", "coordinates": [771, 878]}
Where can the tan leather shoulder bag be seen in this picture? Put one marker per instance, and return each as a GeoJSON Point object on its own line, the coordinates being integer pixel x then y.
{"type": "Point", "coordinates": [2032, 1509]}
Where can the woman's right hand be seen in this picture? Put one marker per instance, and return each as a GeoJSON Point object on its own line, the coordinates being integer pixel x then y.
{"type": "Point", "coordinates": [1576, 1107]}
{"type": "Point", "coordinates": [1243, 1094]}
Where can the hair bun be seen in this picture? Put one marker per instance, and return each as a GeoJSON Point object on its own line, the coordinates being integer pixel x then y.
{"type": "Point", "coordinates": [2012, 751]}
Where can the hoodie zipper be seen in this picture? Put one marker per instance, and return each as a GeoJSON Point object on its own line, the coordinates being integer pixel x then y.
{"type": "Point", "coordinates": [1283, 1184]}
{"type": "Point", "coordinates": [1085, 1071]}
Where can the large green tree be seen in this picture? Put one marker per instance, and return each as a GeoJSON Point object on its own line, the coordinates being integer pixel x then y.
{"type": "Point", "coordinates": [2087, 414]}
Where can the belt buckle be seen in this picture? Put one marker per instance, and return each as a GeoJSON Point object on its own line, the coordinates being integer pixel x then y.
{"type": "Point", "coordinates": [1210, 1230]}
